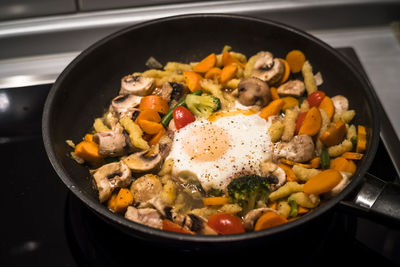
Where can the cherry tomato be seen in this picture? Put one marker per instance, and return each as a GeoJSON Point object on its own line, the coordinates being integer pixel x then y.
{"type": "Point", "coordinates": [225, 223]}
{"type": "Point", "coordinates": [300, 120]}
{"type": "Point", "coordinates": [182, 117]}
{"type": "Point", "coordinates": [315, 98]}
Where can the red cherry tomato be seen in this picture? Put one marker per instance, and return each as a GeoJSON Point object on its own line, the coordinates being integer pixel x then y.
{"type": "Point", "coordinates": [225, 223]}
{"type": "Point", "coordinates": [315, 98]}
{"type": "Point", "coordinates": [300, 120]}
{"type": "Point", "coordinates": [182, 117]}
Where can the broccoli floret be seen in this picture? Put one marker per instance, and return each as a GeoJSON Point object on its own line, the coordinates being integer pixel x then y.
{"type": "Point", "coordinates": [202, 105]}
{"type": "Point", "coordinates": [247, 190]}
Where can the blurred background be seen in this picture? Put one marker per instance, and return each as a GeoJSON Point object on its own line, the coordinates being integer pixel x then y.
{"type": "Point", "coordinates": [38, 39]}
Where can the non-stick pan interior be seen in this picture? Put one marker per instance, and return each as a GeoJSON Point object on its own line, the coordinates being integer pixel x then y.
{"type": "Point", "coordinates": [84, 90]}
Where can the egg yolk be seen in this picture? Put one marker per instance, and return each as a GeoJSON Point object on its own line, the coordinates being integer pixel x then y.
{"type": "Point", "coordinates": [206, 143]}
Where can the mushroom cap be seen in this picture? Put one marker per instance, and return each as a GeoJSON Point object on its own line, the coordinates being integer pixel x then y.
{"type": "Point", "coordinates": [125, 104]}
{"type": "Point", "coordinates": [110, 176]}
{"type": "Point", "coordinates": [146, 187]}
{"type": "Point", "coordinates": [136, 85]}
{"type": "Point", "coordinates": [138, 162]}
{"type": "Point", "coordinates": [253, 91]}
{"type": "Point", "coordinates": [268, 68]}
{"type": "Point", "coordinates": [299, 149]}
{"type": "Point", "coordinates": [111, 143]}
{"type": "Point", "coordinates": [292, 88]}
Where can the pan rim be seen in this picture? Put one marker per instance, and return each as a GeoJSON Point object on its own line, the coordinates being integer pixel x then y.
{"type": "Point", "coordinates": [100, 209]}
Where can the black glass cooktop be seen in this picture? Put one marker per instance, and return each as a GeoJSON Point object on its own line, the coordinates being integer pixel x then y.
{"type": "Point", "coordinates": [43, 224]}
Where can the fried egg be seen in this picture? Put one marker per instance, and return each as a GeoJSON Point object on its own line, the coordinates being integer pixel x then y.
{"type": "Point", "coordinates": [217, 150]}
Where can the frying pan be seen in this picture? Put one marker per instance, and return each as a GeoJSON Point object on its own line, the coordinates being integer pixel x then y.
{"type": "Point", "coordinates": [85, 88]}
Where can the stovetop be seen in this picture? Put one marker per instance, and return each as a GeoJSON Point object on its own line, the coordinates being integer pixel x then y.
{"type": "Point", "coordinates": [43, 224]}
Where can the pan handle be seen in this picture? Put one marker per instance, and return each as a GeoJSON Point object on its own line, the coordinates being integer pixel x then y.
{"type": "Point", "coordinates": [376, 200]}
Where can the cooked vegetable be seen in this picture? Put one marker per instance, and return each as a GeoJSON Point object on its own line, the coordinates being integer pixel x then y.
{"type": "Point", "coordinates": [290, 176]}
{"type": "Point", "coordinates": [334, 134]}
{"type": "Point", "coordinates": [322, 182]}
{"type": "Point", "coordinates": [300, 120]}
{"type": "Point", "coordinates": [120, 202]}
{"type": "Point", "coordinates": [150, 127]}
{"type": "Point", "coordinates": [88, 151]}
{"type": "Point", "coordinates": [294, 208]}
{"type": "Point", "coordinates": [315, 162]}
{"type": "Point", "coordinates": [273, 108]}
{"type": "Point", "coordinates": [170, 226]}
{"type": "Point", "coordinates": [202, 106]}
{"type": "Point", "coordinates": [295, 59]}
{"type": "Point", "coordinates": [315, 98]}
{"type": "Point", "coordinates": [156, 138]}
{"type": "Point", "coordinates": [327, 105]}
{"type": "Point", "coordinates": [213, 74]}
{"type": "Point", "coordinates": [325, 159]}
{"type": "Point", "coordinates": [286, 74]}
{"type": "Point", "coordinates": [268, 220]}
{"type": "Point", "coordinates": [206, 64]}
{"type": "Point", "coordinates": [304, 200]}
{"type": "Point", "coordinates": [290, 102]}
{"type": "Point", "coordinates": [225, 223]}
{"type": "Point", "coordinates": [154, 102]}
{"type": "Point", "coordinates": [361, 139]}
{"type": "Point", "coordinates": [248, 190]}
{"type": "Point", "coordinates": [228, 72]}
{"type": "Point", "coordinates": [352, 155]}
{"type": "Point", "coordinates": [182, 117]}
{"type": "Point", "coordinates": [215, 201]}
{"type": "Point", "coordinates": [228, 59]}
{"type": "Point", "coordinates": [168, 117]}
{"type": "Point", "coordinates": [192, 80]}
{"type": "Point", "coordinates": [344, 165]}
{"type": "Point", "coordinates": [274, 93]}
{"type": "Point", "coordinates": [148, 114]}
{"type": "Point", "coordinates": [312, 122]}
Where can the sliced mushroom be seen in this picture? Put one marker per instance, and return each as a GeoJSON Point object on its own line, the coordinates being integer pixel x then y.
{"type": "Point", "coordinates": [253, 91]}
{"type": "Point", "coordinates": [268, 68]}
{"type": "Point", "coordinates": [340, 103]}
{"type": "Point", "coordinates": [252, 216]}
{"type": "Point", "coordinates": [292, 88]}
{"type": "Point", "coordinates": [146, 216]}
{"type": "Point", "coordinates": [139, 162]}
{"type": "Point", "coordinates": [299, 149]}
{"type": "Point", "coordinates": [191, 222]}
{"type": "Point", "coordinates": [111, 143]}
{"type": "Point", "coordinates": [146, 187]}
{"type": "Point", "coordinates": [125, 105]}
{"type": "Point", "coordinates": [269, 169]}
{"type": "Point", "coordinates": [136, 85]}
{"type": "Point", "coordinates": [110, 176]}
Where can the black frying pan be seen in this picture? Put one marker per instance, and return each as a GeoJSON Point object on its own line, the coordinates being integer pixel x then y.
{"type": "Point", "coordinates": [85, 88]}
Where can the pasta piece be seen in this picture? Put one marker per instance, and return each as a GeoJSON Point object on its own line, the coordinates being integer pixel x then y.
{"type": "Point", "coordinates": [304, 174]}
{"type": "Point", "coordinates": [324, 126]}
{"type": "Point", "coordinates": [135, 133]}
{"type": "Point", "coordinates": [345, 146]}
{"type": "Point", "coordinates": [166, 167]}
{"type": "Point", "coordinates": [351, 132]}
{"type": "Point", "coordinates": [99, 126]}
{"type": "Point", "coordinates": [231, 208]}
{"type": "Point", "coordinates": [283, 208]}
{"type": "Point", "coordinates": [305, 200]}
{"type": "Point", "coordinates": [346, 116]}
{"type": "Point", "coordinates": [285, 190]}
{"type": "Point", "coordinates": [289, 123]}
{"type": "Point", "coordinates": [249, 66]}
{"type": "Point", "coordinates": [305, 106]}
{"type": "Point", "coordinates": [275, 131]}
{"type": "Point", "coordinates": [168, 193]}
{"type": "Point", "coordinates": [215, 89]}
{"type": "Point", "coordinates": [177, 67]}
{"type": "Point", "coordinates": [309, 80]}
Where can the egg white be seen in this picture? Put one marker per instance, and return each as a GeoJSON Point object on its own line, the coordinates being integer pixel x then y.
{"type": "Point", "coordinates": [249, 146]}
